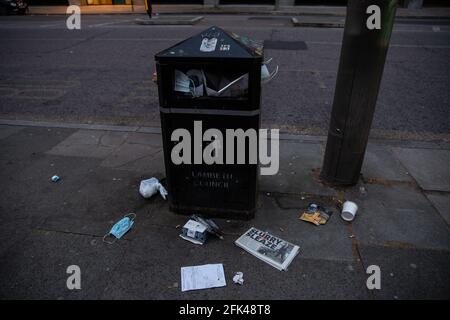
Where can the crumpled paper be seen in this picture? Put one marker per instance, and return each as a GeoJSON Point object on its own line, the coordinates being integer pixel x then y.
{"type": "Point", "coordinates": [238, 278]}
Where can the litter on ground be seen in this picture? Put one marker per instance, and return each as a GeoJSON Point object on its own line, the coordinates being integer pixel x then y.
{"type": "Point", "coordinates": [202, 277]}
{"type": "Point", "coordinates": [149, 187]}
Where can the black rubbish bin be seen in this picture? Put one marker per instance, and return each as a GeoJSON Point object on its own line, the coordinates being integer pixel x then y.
{"type": "Point", "coordinates": [211, 81]}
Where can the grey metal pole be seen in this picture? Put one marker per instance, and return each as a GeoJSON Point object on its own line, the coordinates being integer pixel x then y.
{"type": "Point", "coordinates": [363, 54]}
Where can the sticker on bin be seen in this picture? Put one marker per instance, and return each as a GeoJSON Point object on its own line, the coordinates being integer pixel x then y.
{"type": "Point", "coordinates": [208, 45]}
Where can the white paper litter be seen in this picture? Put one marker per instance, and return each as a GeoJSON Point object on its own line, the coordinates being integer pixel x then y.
{"type": "Point", "coordinates": [202, 277]}
{"type": "Point", "coordinates": [238, 278]}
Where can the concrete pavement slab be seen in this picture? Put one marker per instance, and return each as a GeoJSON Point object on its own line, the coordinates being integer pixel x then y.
{"type": "Point", "coordinates": [380, 163]}
{"type": "Point", "coordinates": [103, 198]}
{"type": "Point", "coordinates": [148, 166]}
{"type": "Point", "coordinates": [6, 131]}
{"type": "Point", "coordinates": [429, 167]}
{"type": "Point", "coordinates": [327, 242]}
{"type": "Point", "coordinates": [299, 170]}
{"type": "Point", "coordinates": [135, 157]}
{"type": "Point", "coordinates": [399, 216]}
{"type": "Point", "coordinates": [153, 140]}
{"type": "Point", "coordinates": [409, 273]}
{"type": "Point", "coordinates": [140, 152]}
{"type": "Point", "coordinates": [25, 200]}
{"type": "Point", "coordinates": [144, 277]}
{"type": "Point", "coordinates": [36, 268]}
{"type": "Point", "coordinates": [442, 203]}
{"type": "Point", "coordinates": [66, 125]}
{"type": "Point", "coordinates": [30, 142]}
{"type": "Point", "coordinates": [89, 143]}
{"type": "Point", "coordinates": [29, 193]}
{"type": "Point", "coordinates": [13, 232]}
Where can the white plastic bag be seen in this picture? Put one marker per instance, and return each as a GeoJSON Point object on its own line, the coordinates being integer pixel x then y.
{"type": "Point", "coordinates": [150, 186]}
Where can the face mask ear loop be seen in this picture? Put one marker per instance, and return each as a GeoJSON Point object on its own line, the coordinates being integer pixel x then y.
{"type": "Point", "coordinates": [131, 214]}
{"type": "Point", "coordinates": [108, 242]}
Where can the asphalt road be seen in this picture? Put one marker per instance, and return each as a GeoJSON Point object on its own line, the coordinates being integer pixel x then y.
{"type": "Point", "coordinates": [101, 73]}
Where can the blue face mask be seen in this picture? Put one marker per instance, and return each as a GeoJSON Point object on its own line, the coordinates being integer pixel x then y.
{"type": "Point", "coordinates": [120, 228]}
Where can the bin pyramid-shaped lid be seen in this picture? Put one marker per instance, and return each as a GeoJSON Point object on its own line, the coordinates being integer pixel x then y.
{"type": "Point", "coordinates": [214, 42]}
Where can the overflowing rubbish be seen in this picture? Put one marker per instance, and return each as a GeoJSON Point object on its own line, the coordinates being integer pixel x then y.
{"type": "Point", "coordinates": [233, 84]}
{"type": "Point", "coordinates": [120, 228]}
{"type": "Point", "coordinates": [150, 186]}
{"type": "Point", "coordinates": [194, 232]}
{"type": "Point", "coordinates": [202, 277]}
{"type": "Point", "coordinates": [238, 278]}
{"type": "Point", "coordinates": [55, 178]}
{"type": "Point", "coordinates": [211, 226]}
{"type": "Point", "coordinates": [349, 209]}
{"type": "Point", "coordinates": [201, 82]}
{"type": "Point", "coordinates": [266, 76]}
{"type": "Point", "coordinates": [316, 214]}
{"type": "Point", "coordinates": [268, 248]}
{"type": "Point", "coordinates": [183, 83]}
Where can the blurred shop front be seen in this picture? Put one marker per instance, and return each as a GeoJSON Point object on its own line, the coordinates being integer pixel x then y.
{"type": "Point", "coordinates": [218, 3]}
{"type": "Point", "coordinates": [48, 2]}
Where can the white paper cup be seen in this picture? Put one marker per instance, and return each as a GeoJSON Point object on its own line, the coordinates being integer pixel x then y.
{"type": "Point", "coordinates": [349, 211]}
